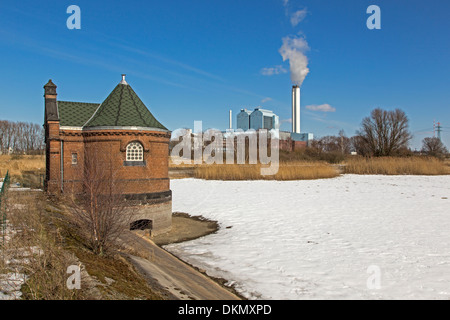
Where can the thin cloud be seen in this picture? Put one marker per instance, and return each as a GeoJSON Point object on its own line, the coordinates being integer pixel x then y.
{"type": "Point", "coordinates": [298, 17]}
{"type": "Point", "coordinates": [322, 107]}
{"type": "Point", "coordinates": [322, 117]}
{"type": "Point", "coordinates": [273, 71]}
{"type": "Point", "coordinates": [266, 100]}
{"type": "Point", "coordinates": [169, 61]}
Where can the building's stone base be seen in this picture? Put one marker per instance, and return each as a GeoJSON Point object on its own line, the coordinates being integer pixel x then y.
{"type": "Point", "coordinates": [160, 215]}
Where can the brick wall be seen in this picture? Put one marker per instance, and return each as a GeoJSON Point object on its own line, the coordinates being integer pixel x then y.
{"type": "Point", "coordinates": [53, 160]}
{"type": "Point", "coordinates": [73, 172]}
{"type": "Point", "coordinates": [299, 144]}
{"type": "Point", "coordinates": [109, 150]}
{"type": "Point", "coordinates": [291, 145]}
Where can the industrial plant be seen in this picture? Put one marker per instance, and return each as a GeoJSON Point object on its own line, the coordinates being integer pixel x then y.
{"type": "Point", "coordinates": [266, 119]}
{"type": "Point", "coordinates": [251, 122]}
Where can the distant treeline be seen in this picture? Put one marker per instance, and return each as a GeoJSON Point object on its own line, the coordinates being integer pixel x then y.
{"type": "Point", "coordinates": [21, 137]}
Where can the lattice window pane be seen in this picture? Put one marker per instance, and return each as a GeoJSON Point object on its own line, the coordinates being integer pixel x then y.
{"type": "Point", "coordinates": [74, 158]}
{"type": "Point", "coordinates": [135, 152]}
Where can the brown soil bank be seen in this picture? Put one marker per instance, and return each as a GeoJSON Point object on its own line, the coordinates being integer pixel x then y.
{"type": "Point", "coordinates": [185, 228]}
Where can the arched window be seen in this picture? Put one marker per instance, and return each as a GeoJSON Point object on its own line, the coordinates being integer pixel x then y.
{"type": "Point", "coordinates": [135, 152]}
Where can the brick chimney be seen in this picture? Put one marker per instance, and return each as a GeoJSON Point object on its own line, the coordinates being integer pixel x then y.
{"type": "Point", "coordinates": [53, 145]}
{"type": "Point", "coordinates": [51, 111]}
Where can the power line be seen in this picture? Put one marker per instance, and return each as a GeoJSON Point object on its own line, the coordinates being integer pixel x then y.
{"type": "Point", "coordinates": [428, 130]}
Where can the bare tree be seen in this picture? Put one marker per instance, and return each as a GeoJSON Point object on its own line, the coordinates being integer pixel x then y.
{"type": "Point", "coordinates": [384, 133]}
{"type": "Point", "coordinates": [359, 146]}
{"type": "Point", "coordinates": [2, 134]}
{"type": "Point", "coordinates": [21, 137]}
{"type": "Point", "coordinates": [99, 213]}
{"type": "Point", "coordinates": [434, 147]}
{"type": "Point", "coordinates": [6, 135]}
{"type": "Point", "coordinates": [339, 144]}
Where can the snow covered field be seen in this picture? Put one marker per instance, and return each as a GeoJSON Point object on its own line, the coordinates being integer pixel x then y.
{"type": "Point", "coordinates": [323, 239]}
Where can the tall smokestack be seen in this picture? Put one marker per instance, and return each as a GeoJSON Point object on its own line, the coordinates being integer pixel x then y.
{"type": "Point", "coordinates": [296, 109]}
{"type": "Point", "coordinates": [231, 121]}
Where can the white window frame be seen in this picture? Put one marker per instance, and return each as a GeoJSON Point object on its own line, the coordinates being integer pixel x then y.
{"type": "Point", "coordinates": [134, 152]}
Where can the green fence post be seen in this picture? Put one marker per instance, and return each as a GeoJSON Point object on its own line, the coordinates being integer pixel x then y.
{"type": "Point", "coordinates": [3, 205]}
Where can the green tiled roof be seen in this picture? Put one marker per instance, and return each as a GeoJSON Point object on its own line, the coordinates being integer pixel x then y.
{"type": "Point", "coordinates": [75, 114]}
{"type": "Point", "coordinates": [123, 108]}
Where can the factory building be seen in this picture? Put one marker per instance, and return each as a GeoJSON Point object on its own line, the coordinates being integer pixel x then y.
{"type": "Point", "coordinates": [243, 119]}
{"type": "Point", "coordinates": [256, 120]}
{"type": "Point", "coordinates": [263, 119]}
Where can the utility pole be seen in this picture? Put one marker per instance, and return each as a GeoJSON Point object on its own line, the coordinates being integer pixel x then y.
{"type": "Point", "coordinates": [439, 130]}
{"type": "Point", "coordinates": [341, 135]}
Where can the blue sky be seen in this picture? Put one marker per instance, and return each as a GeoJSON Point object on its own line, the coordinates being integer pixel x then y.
{"type": "Point", "coordinates": [197, 59]}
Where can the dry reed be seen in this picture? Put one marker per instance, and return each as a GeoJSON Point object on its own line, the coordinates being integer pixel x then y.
{"type": "Point", "coordinates": [397, 166]}
{"type": "Point", "coordinates": [286, 171]}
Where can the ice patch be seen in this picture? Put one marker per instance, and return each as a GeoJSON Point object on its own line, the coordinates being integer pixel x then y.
{"type": "Point", "coordinates": [316, 239]}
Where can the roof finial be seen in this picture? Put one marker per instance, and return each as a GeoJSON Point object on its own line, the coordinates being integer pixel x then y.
{"type": "Point", "coordinates": [123, 80]}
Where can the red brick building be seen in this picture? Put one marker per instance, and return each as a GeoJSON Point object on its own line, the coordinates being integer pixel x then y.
{"type": "Point", "coordinates": [122, 133]}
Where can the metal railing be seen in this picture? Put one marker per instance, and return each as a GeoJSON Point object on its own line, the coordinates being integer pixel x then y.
{"type": "Point", "coordinates": [3, 190]}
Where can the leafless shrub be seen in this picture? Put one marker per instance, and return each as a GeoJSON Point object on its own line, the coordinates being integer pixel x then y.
{"type": "Point", "coordinates": [99, 214]}
{"type": "Point", "coordinates": [434, 147]}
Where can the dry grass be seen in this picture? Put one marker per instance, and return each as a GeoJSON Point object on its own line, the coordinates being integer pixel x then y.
{"type": "Point", "coordinates": [32, 249]}
{"type": "Point", "coordinates": [287, 171]}
{"type": "Point", "coordinates": [40, 247]}
{"type": "Point", "coordinates": [117, 279]}
{"type": "Point", "coordinates": [189, 164]}
{"type": "Point", "coordinates": [17, 165]}
{"type": "Point", "coordinates": [397, 166]}
{"type": "Point", "coordinates": [28, 170]}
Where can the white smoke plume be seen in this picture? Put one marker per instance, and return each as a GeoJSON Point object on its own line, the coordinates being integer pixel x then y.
{"type": "Point", "coordinates": [294, 49]}
{"type": "Point", "coordinates": [272, 71]}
